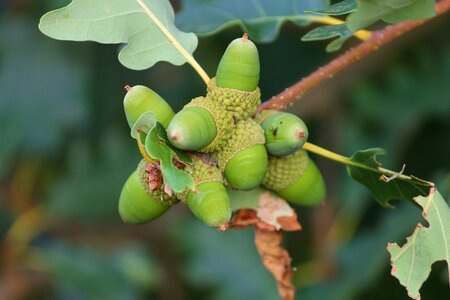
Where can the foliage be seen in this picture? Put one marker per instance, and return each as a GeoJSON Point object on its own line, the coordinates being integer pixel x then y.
{"type": "Point", "coordinates": [68, 147]}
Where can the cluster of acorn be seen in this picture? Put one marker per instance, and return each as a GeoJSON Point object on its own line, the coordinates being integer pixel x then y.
{"type": "Point", "coordinates": [229, 146]}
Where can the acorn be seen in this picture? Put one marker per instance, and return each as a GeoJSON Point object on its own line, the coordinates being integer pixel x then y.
{"type": "Point", "coordinates": [143, 198]}
{"type": "Point", "coordinates": [239, 66]}
{"type": "Point", "coordinates": [140, 99]}
{"type": "Point", "coordinates": [296, 178]}
{"type": "Point", "coordinates": [202, 125]}
{"type": "Point", "coordinates": [243, 160]}
{"type": "Point", "coordinates": [285, 133]}
{"type": "Point", "coordinates": [209, 202]}
{"type": "Point", "coordinates": [235, 86]}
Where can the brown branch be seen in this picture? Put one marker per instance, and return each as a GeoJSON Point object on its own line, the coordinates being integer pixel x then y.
{"type": "Point", "coordinates": [377, 40]}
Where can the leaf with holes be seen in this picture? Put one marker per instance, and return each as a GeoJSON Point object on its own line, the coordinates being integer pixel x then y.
{"type": "Point", "coordinates": [261, 19]}
{"type": "Point", "coordinates": [121, 21]}
{"type": "Point", "coordinates": [411, 263]}
{"type": "Point", "coordinates": [396, 187]}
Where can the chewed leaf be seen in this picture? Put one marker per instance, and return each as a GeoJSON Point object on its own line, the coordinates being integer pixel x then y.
{"type": "Point", "coordinates": [397, 187]}
{"type": "Point", "coordinates": [337, 9]}
{"type": "Point", "coordinates": [411, 263]}
{"type": "Point", "coordinates": [143, 124]}
{"type": "Point", "coordinates": [270, 209]}
{"type": "Point", "coordinates": [118, 22]}
{"type": "Point", "coordinates": [157, 147]}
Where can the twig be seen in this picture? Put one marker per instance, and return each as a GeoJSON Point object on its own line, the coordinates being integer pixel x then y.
{"type": "Point", "coordinates": [376, 40]}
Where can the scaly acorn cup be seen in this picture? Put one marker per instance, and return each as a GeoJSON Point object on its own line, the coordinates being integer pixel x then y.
{"type": "Point", "coordinates": [142, 200]}
{"type": "Point", "coordinates": [296, 178]}
{"type": "Point", "coordinates": [140, 99]}
{"type": "Point", "coordinates": [202, 125]}
{"type": "Point", "coordinates": [209, 202]}
{"type": "Point", "coordinates": [285, 133]}
{"type": "Point", "coordinates": [243, 160]}
{"type": "Point", "coordinates": [235, 86]}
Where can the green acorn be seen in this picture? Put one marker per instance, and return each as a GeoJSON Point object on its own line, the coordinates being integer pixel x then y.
{"type": "Point", "coordinates": [140, 99]}
{"type": "Point", "coordinates": [235, 86]}
{"type": "Point", "coordinates": [141, 202]}
{"type": "Point", "coordinates": [239, 66]}
{"type": "Point", "coordinates": [285, 133]}
{"type": "Point", "coordinates": [209, 202]}
{"type": "Point", "coordinates": [296, 178]}
{"type": "Point", "coordinates": [243, 160]}
{"type": "Point", "coordinates": [202, 125]}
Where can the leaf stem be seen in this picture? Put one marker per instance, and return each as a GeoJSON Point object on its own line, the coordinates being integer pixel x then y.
{"type": "Point", "coordinates": [189, 58]}
{"type": "Point", "coordinates": [360, 34]}
{"type": "Point", "coordinates": [142, 149]}
{"type": "Point", "coordinates": [377, 40]}
{"type": "Point", "coordinates": [348, 162]}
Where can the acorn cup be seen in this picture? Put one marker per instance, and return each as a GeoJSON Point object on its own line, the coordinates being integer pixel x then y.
{"type": "Point", "coordinates": [243, 160]}
{"type": "Point", "coordinates": [140, 99]}
{"type": "Point", "coordinates": [142, 199]}
{"type": "Point", "coordinates": [235, 86]}
{"type": "Point", "coordinates": [202, 125]}
{"type": "Point", "coordinates": [285, 133]}
{"type": "Point", "coordinates": [209, 202]}
{"type": "Point", "coordinates": [296, 178]}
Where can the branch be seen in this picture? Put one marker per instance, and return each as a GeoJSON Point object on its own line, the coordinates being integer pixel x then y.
{"type": "Point", "coordinates": [376, 40]}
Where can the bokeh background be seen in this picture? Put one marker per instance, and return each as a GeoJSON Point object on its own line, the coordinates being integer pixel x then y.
{"type": "Point", "coordinates": [65, 152]}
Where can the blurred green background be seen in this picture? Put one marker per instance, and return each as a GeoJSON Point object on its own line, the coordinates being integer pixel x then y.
{"type": "Point", "coordinates": [65, 152]}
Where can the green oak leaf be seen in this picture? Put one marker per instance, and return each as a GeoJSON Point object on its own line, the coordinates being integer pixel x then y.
{"type": "Point", "coordinates": [337, 9]}
{"type": "Point", "coordinates": [327, 32]}
{"type": "Point", "coordinates": [117, 22]}
{"type": "Point", "coordinates": [156, 145]}
{"type": "Point", "coordinates": [411, 263]}
{"type": "Point", "coordinates": [390, 11]}
{"type": "Point", "coordinates": [144, 123]}
{"type": "Point", "coordinates": [368, 174]}
{"type": "Point", "coordinates": [261, 19]}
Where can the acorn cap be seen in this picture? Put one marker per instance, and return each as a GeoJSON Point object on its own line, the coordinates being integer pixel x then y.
{"type": "Point", "coordinates": [239, 67]}
{"type": "Point", "coordinates": [203, 169]}
{"type": "Point", "coordinates": [285, 170]}
{"type": "Point", "coordinates": [240, 104]}
{"type": "Point", "coordinates": [140, 99]}
{"type": "Point", "coordinates": [261, 116]}
{"type": "Point", "coordinates": [247, 133]}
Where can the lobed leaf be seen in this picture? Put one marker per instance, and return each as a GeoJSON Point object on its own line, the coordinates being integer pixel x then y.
{"type": "Point", "coordinates": [396, 188]}
{"type": "Point", "coordinates": [390, 11]}
{"type": "Point", "coordinates": [261, 19]}
{"type": "Point", "coordinates": [117, 22]}
{"type": "Point", "coordinates": [156, 145]}
{"type": "Point", "coordinates": [337, 9]}
{"type": "Point", "coordinates": [326, 32]}
{"type": "Point", "coordinates": [411, 263]}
